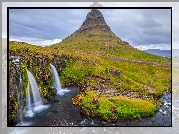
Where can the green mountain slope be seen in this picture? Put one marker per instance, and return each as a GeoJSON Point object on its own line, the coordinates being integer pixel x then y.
{"type": "Point", "coordinates": [95, 36]}
{"type": "Point", "coordinates": [116, 79]}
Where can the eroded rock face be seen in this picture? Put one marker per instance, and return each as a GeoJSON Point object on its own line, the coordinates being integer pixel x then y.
{"type": "Point", "coordinates": [94, 20]}
{"type": "Point", "coordinates": [13, 92]}
{"type": "Point", "coordinates": [12, 83]}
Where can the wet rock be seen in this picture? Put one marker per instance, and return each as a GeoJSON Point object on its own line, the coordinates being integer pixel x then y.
{"type": "Point", "coordinates": [53, 91]}
{"type": "Point", "coordinates": [56, 100]}
{"type": "Point", "coordinates": [86, 111]}
{"type": "Point", "coordinates": [55, 111]}
{"type": "Point", "coordinates": [112, 118]}
{"type": "Point", "coordinates": [45, 101]}
{"type": "Point", "coordinates": [49, 98]}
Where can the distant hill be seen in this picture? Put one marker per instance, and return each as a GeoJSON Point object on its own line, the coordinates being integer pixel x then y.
{"type": "Point", "coordinates": [163, 53]}
{"type": "Point", "coordinates": [95, 36]}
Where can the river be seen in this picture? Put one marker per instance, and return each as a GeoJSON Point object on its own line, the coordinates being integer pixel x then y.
{"type": "Point", "coordinates": [64, 113]}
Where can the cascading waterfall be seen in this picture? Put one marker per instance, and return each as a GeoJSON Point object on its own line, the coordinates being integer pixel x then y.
{"type": "Point", "coordinates": [34, 104]}
{"type": "Point", "coordinates": [28, 107]}
{"type": "Point", "coordinates": [56, 78]}
{"type": "Point", "coordinates": [35, 89]}
{"type": "Point", "coordinates": [60, 91]}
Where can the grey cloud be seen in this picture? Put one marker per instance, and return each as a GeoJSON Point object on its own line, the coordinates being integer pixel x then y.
{"type": "Point", "coordinates": [136, 26]}
{"type": "Point", "coordinates": [56, 23]}
{"type": "Point", "coordinates": [139, 26]}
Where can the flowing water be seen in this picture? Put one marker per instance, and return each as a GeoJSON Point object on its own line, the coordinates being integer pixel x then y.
{"type": "Point", "coordinates": [64, 113]}
{"type": "Point", "coordinates": [28, 108]}
{"type": "Point", "coordinates": [35, 89]}
{"type": "Point", "coordinates": [34, 103]}
{"type": "Point", "coordinates": [60, 91]}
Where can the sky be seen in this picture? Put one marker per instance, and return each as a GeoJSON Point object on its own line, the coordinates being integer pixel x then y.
{"type": "Point", "coordinates": [142, 28]}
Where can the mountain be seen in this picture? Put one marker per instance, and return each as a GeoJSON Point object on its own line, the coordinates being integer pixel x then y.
{"type": "Point", "coordinates": [115, 79]}
{"type": "Point", "coordinates": [96, 37]}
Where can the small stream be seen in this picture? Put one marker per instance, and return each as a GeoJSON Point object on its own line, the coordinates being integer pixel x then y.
{"type": "Point", "coordinates": [64, 113]}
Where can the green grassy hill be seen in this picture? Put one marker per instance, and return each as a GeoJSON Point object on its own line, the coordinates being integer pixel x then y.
{"type": "Point", "coordinates": [95, 37]}
{"type": "Point", "coordinates": [94, 58]}
{"type": "Point", "coordinates": [108, 81]}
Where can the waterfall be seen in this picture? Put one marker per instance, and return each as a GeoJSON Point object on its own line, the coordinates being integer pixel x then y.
{"type": "Point", "coordinates": [56, 78]}
{"type": "Point", "coordinates": [60, 91]}
{"type": "Point", "coordinates": [35, 90]}
{"type": "Point", "coordinates": [34, 104]}
{"type": "Point", "coordinates": [28, 111]}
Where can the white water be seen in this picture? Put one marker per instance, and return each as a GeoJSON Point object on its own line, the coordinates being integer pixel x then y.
{"type": "Point", "coordinates": [60, 91]}
{"type": "Point", "coordinates": [28, 111]}
{"type": "Point", "coordinates": [35, 90]}
{"type": "Point", "coordinates": [19, 109]}
{"type": "Point", "coordinates": [34, 104]}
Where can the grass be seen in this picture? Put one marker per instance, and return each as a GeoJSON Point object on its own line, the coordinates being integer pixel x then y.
{"type": "Point", "coordinates": [115, 106]}
{"type": "Point", "coordinates": [88, 69]}
{"type": "Point", "coordinates": [106, 44]}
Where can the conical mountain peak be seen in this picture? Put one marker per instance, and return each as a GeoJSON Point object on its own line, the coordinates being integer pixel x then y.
{"type": "Point", "coordinates": [94, 20]}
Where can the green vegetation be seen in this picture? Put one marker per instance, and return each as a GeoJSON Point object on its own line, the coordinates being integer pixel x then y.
{"type": "Point", "coordinates": [90, 71]}
{"type": "Point", "coordinates": [105, 44]}
{"type": "Point", "coordinates": [110, 107]}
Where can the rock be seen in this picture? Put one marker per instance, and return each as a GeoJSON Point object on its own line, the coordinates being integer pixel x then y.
{"type": "Point", "coordinates": [97, 106]}
{"type": "Point", "coordinates": [94, 20]}
{"type": "Point", "coordinates": [115, 72]}
{"type": "Point", "coordinates": [56, 100]}
{"type": "Point", "coordinates": [13, 91]}
{"type": "Point", "coordinates": [55, 111]}
{"type": "Point", "coordinates": [45, 101]}
{"type": "Point", "coordinates": [53, 91]}
{"type": "Point", "coordinates": [95, 101]}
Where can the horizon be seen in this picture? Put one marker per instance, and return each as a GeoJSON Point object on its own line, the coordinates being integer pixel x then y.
{"type": "Point", "coordinates": [50, 26]}
{"type": "Point", "coordinates": [135, 47]}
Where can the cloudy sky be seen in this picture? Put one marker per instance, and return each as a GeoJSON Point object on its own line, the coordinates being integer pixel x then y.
{"type": "Point", "coordinates": [142, 28]}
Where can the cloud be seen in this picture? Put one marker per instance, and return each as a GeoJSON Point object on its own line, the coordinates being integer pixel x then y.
{"type": "Point", "coordinates": [35, 41]}
{"type": "Point", "coordinates": [46, 24]}
{"type": "Point", "coordinates": [140, 26]}
{"type": "Point", "coordinates": [154, 46]}
{"type": "Point", "coordinates": [137, 27]}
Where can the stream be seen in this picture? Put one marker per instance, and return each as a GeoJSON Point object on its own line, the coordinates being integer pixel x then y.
{"type": "Point", "coordinates": [64, 113]}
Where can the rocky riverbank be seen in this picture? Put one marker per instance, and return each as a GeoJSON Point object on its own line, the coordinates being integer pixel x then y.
{"type": "Point", "coordinates": [64, 113]}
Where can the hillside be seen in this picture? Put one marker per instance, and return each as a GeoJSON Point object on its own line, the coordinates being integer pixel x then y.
{"type": "Point", "coordinates": [115, 79]}
{"type": "Point", "coordinates": [107, 81]}
{"type": "Point", "coordinates": [95, 37]}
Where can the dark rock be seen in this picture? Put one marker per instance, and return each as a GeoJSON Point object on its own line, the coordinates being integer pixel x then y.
{"type": "Point", "coordinates": [115, 72]}
{"type": "Point", "coordinates": [45, 101]}
{"type": "Point", "coordinates": [55, 111]}
{"type": "Point", "coordinates": [13, 91]}
{"type": "Point", "coordinates": [95, 101]}
{"type": "Point", "coordinates": [94, 20]}
{"type": "Point", "coordinates": [53, 91]}
{"type": "Point", "coordinates": [97, 106]}
{"type": "Point", "coordinates": [56, 100]}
